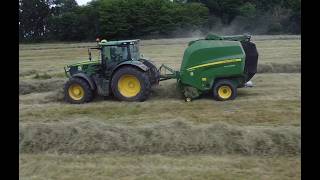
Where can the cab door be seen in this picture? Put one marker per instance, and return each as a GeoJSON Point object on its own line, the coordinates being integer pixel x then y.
{"type": "Point", "coordinates": [114, 55]}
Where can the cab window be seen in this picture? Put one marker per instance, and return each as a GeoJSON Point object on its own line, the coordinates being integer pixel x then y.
{"type": "Point", "coordinates": [116, 53]}
{"type": "Point", "coordinates": [134, 49]}
{"type": "Point", "coordinates": [106, 52]}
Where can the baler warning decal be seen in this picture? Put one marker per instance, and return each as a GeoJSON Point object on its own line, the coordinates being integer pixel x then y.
{"type": "Point", "coordinates": [214, 63]}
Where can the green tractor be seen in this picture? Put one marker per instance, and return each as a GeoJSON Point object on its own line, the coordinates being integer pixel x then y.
{"type": "Point", "coordinates": [217, 64]}
{"type": "Point", "coordinates": [120, 71]}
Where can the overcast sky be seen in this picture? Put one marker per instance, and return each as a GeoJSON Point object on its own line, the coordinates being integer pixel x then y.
{"type": "Point", "coordinates": [82, 2]}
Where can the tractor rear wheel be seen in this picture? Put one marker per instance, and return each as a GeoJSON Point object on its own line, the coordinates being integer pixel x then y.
{"type": "Point", "coordinates": [77, 91]}
{"type": "Point", "coordinates": [130, 84]}
{"type": "Point", "coordinates": [224, 90]}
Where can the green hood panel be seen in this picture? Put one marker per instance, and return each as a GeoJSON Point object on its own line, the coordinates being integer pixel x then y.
{"type": "Point", "coordinates": [87, 62]}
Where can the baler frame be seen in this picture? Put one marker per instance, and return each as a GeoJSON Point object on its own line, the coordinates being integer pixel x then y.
{"type": "Point", "coordinates": [165, 76]}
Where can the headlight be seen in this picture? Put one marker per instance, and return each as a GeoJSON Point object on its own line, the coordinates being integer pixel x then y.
{"type": "Point", "coordinates": [67, 68]}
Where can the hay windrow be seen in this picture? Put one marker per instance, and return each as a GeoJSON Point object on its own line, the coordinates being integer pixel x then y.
{"type": "Point", "coordinates": [27, 73]}
{"type": "Point", "coordinates": [89, 136]}
{"type": "Point", "coordinates": [166, 90]}
{"type": "Point", "coordinates": [30, 86]}
{"type": "Point", "coordinates": [43, 97]}
{"type": "Point", "coordinates": [279, 68]}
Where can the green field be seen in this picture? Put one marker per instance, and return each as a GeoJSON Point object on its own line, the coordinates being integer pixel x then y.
{"type": "Point", "coordinates": [256, 136]}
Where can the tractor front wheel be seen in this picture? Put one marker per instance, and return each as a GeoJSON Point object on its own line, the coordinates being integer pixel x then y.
{"type": "Point", "coordinates": [77, 91]}
{"type": "Point", "coordinates": [224, 90]}
{"type": "Point", "coordinates": [130, 84]}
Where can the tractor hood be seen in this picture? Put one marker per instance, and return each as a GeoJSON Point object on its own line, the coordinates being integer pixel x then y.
{"type": "Point", "coordinates": [87, 62]}
{"type": "Point", "coordinates": [83, 66]}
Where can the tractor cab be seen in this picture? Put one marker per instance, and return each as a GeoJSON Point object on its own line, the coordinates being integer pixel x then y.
{"type": "Point", "coordinates": [114, 52]}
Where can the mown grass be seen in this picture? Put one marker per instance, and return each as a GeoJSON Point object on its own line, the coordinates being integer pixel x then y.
{"type": "Point", "coordinates": [284, 112]}
{"type": "Point", "coordinates": [177, 137]}
{"type": "Point", "coordinates": [280, 94]}
{"type": "Point", "coordinates": [257, 136]}
{"type": "Point", "coordinates": [115, 166]}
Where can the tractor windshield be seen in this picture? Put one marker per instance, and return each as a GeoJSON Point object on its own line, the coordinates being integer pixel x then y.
{"type": "Point", "coordinates": [115, 53]}
{"type": "Point", "coordinates": [134, 51]}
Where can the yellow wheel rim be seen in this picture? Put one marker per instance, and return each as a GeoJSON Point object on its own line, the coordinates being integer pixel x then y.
{"type": "Point", "coordinates": [224, 92]}
{"type": "Point", "coordinates": [129, 86]}
{"type": "Point", "coordinates": [76, 92]}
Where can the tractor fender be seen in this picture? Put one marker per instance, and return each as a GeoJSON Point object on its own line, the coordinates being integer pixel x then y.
{"type": "Point", "coordinates": [137, 64]}
{"type": "Point", "coordinates": [87, 78]}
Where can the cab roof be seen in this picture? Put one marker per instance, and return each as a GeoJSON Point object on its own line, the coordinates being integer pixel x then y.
{"type": "Point", "coordinates": [117, 43]}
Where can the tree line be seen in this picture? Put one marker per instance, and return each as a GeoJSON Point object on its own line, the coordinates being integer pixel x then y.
{"type": "Point", "coordinates": [65, 20]}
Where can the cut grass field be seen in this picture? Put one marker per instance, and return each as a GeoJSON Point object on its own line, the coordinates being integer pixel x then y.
{"type": "Point", "coordinates": [280, 94]}
{"type": "Point", "coordinates": [256, 136]}
{"type": "Point", "coordinates": [151, 167]}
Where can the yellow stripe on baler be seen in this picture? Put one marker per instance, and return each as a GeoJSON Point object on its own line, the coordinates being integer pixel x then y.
{"type": "Point", "coordinates": [214, 63]}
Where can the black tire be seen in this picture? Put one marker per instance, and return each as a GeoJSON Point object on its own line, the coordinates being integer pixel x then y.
{"type": "Point", "coordinates": [224, 84]}
{"type": "Point", "coordinates": [145, 85]}
{"type": "Point", "coordinates": [154, 75]}
{"type": "Point", "coordinates": [87, 92]}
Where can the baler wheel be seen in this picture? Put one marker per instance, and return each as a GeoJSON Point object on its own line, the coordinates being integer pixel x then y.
{"type": "Point", "coordinates": [130, 84]}
{"type": "Point", "coordinates": [77, 91]}
{"type": "Point", "coordinates": [224, 90]}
